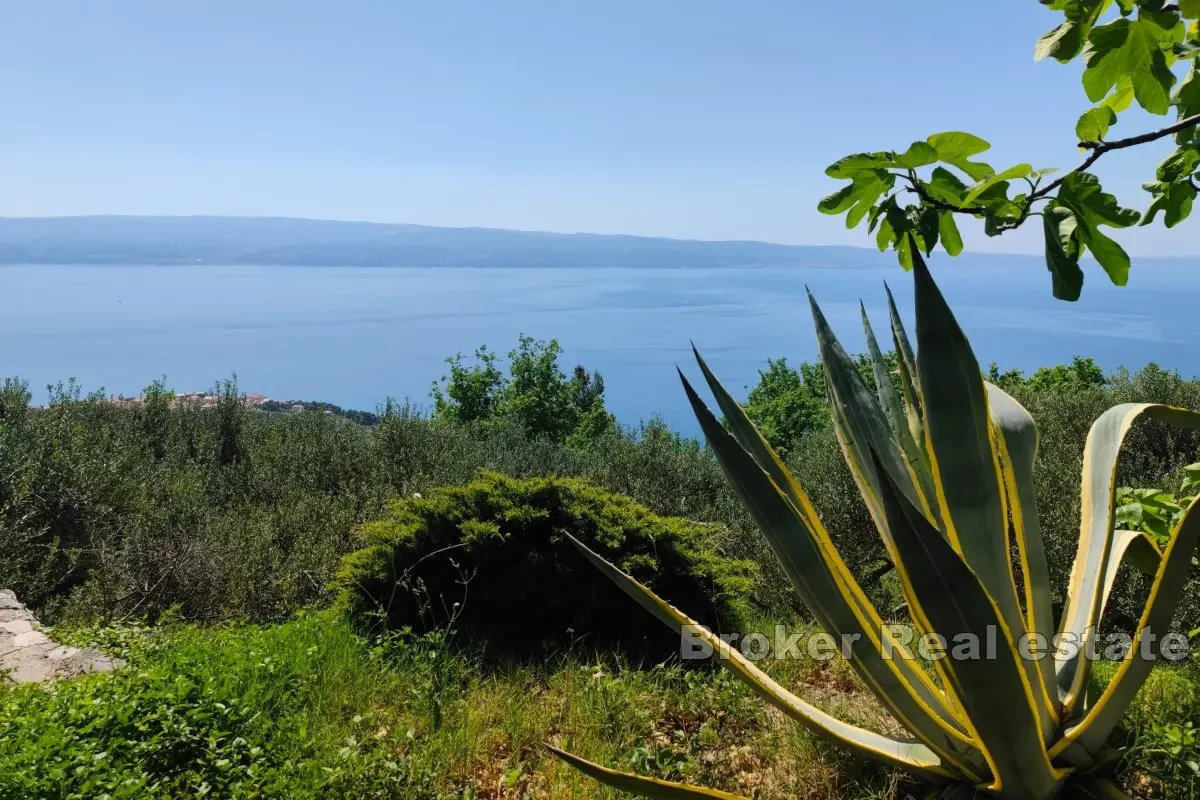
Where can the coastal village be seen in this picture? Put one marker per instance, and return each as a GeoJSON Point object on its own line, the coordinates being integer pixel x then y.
{"type": "Point", "coordinates": [256, 401]}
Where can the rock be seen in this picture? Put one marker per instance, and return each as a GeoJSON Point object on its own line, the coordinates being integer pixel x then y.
{"type": "Point", "coordinates": [27, 655]}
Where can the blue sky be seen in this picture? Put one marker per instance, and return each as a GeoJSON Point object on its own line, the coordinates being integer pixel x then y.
{"type": "Point", "coordinates": [687, 118]}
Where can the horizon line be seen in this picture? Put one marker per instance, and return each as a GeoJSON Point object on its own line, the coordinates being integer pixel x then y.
{"type": "Point", "coordinates": [281, 217]}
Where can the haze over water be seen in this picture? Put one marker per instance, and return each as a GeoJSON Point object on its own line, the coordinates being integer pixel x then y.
{"type": "Point", "coordinates": [354, 336]}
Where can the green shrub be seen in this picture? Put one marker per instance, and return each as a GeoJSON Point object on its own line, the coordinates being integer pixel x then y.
{"type": "Point", "coordinates": [490, 557]}
{"type": "Point", "coordinates": [222, 711]}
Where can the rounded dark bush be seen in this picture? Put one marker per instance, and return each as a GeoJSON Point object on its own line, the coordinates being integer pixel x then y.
{"type": "Point", "coordinates": [490, 557]}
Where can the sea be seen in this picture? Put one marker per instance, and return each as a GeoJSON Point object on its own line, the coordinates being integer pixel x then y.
{"type": "Point", "coordinates": [355, 336]}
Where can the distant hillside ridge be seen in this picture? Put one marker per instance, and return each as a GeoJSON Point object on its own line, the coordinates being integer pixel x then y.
{"type": "Point", "coordinates": [313, 242]}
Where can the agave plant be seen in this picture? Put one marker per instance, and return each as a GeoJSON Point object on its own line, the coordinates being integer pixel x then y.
{"type": "Point", "coordinates": [945, 467]}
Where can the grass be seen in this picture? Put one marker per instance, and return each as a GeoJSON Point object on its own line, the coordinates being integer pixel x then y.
{"type": "Point", "coordinates": [309, 708]}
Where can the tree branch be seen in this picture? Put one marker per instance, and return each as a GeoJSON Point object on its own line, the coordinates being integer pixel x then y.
{"type": "Point", "coordinates": [1100, 148]}
{"type": "Point", "coordinates": [918, 189]}
{"type": "Point", "coordinates": [1097, 148]}
{"type": "Point", "coordinates": [1118, 144]}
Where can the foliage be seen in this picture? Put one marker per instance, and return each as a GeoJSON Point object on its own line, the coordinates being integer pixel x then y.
{"type": "Point", "coordinates": [1081, 374]}
{"type": "Point", "coordinates": [1154, 511]}
{"type": "Point", "coordinates": [788, 404]}
{"type": "Point", "coordinates": [490, 558]}
{"type": "Point", "coordinates": [94, 522]}
{"type": "Point", "coordinates": [535, 394]}
{"type": "Point", "coordinates": [354, 415]}
{"type": "Point", "coordinates": [111, 508]}
{"type": "Point", "coordinates": [227, 712]}
{"type": "Point", "coordinates": [1134, 50]}
{"type": "Point", "coordinates": [310, 709]}
{"type": "Point", "coordinates": [945, 467]}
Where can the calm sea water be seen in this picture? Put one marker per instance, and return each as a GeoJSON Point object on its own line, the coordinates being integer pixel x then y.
{"type": "Point", "coordinates": [354, 336]}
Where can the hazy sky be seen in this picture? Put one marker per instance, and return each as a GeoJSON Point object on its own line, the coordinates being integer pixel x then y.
{"type": "Point", "coordinates": [688, 118]}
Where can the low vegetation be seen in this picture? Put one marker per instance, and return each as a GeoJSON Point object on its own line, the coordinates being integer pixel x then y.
{"type": "Point", "coordinates": [223, 524]}
{"type": "Point", "coordinates": [311, 709]}
{"type": "Point", "coordinates": [491, 558]}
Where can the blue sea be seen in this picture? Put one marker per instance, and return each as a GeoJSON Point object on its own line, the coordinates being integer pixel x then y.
{"type": "Point", "coordinates": [354, 336]}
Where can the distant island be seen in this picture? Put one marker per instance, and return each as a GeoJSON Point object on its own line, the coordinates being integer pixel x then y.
{"type": "Point", "coordinates": [312, 242]}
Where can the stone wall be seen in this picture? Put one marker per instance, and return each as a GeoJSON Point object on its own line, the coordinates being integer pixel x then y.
{"type": "Point", "coordinates": [29, 656]}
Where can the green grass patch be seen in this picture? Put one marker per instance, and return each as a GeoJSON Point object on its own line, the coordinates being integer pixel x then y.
{"type": "Point", "coordinates": [311, 709]}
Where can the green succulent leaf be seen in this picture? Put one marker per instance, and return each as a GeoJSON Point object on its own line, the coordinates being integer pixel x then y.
{"type": "Point", "coordinates": [962, 459]}
{"type": "Point", "coordinates": [863, 426]}
{"type": "Point", "coordinates": [1102, 717]}
{"type": "Point", "coordinates": [994, 692]}
{"type": "Point", "coordinates": [1135, 548]}
{"type": "Point", "coordinates": [791, 549]}
{"type": "Point", "coordinates": [960, 440]}
{"type": "Point", "coordinates": [1081, 613]}
{"type": "Point", "coordinates": [904, 753]}
{"type": "Point", "coordinates": [646, 787]}
{"type": "Point", "coordinates": [1017, 444]}
{"type": "Point", "coordinates": [820, 577]}
{"type": "Point", "coordinates": [906, 364]}
{"type": "Point", "coordinates": [897, 418]}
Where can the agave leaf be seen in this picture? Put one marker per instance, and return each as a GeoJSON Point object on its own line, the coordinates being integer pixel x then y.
{"type": "Point", "coordinates": [1081, 613]}
{"type": "Point", "coordinates": [907, 367]}
{"type": "Point", "coordinates": [994, 691]}
{"type": "Point", "coordinates": [904, 350]}
{"type": "Point", "coordinates": [860, 423]}
{"type": "Point", "coordinates": [646, 787]}
{"type": "Point", "coordinates": [906, 754]}
{"type": "Point", "coordinates": [1169, 581]}
{"type": "Point", "coordinates": [1136, 547]}
{"type": "Point", "coordinates": [747, 435]}
{"type": "Point", "coordinates": [963, 455]}
{"type": "Point", "coordinates": [819, 575]}
{"type": "Point", "coordinates": [1017, 438]}
{"type": "Point", "coordinates": [897, 418]}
